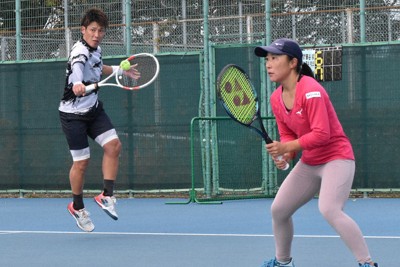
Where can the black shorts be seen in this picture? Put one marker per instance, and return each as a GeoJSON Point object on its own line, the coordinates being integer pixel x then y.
{"type": "Point", "coordinates": [77, 128]}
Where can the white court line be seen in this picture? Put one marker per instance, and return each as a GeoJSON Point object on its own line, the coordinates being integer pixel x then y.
{"type": "Point", "coordinates": [185, 234]}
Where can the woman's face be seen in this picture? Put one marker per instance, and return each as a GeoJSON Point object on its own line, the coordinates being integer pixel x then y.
{"type": "Point", "coordinates": [93, 34]}
{"type": "Point", "coordinates": [279, 67]}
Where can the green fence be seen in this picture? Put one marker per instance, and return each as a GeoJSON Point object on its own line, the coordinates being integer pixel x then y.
{"type": "Point", "coordinates": [236, 157]}
{"type": "Point", "coordinates": [366, 100]}
{"type": "Point", "coordinates": [154, 126]}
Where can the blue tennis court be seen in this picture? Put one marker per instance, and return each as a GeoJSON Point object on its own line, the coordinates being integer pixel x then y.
{"type": "Point", "coordinates": [40, 232]}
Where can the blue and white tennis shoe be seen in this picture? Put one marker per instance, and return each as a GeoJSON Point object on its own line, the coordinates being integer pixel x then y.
{"type": "Point", "coordinates": [275, 263]}
{"type": "Point", "coordinates": [368, 265]}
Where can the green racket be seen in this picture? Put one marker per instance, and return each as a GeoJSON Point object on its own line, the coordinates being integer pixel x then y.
{"type": "Point", "coordinates": [238, 97]}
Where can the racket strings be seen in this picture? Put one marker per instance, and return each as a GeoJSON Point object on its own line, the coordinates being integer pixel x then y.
{"type": "Point", "coordinates": [146, 66]}
{"type": "Point", "coordinates": [128, 81]}
{"type": "Point", "coordinates": [238, 95]}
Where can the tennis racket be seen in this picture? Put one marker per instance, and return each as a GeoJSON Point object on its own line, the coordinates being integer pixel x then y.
{"type": "Point", "coordinates": [146, 64]}
{"type": "Point", "coordinates": [237, 95]}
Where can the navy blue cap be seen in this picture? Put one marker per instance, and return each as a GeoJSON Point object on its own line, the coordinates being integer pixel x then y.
{"type": "Point", "coordinates": [281, 46]}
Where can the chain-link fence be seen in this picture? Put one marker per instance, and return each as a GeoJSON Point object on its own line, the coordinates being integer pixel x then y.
{"type": "Point", "coordinates": [45, 29]}
{"type": "Point", "coordinates": [42, 30]}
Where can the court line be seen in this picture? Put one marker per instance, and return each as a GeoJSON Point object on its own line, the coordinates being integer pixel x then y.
{"type": "Point", "coordinates": [185, 234]}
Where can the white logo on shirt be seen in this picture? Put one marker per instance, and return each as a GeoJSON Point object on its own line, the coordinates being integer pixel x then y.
{"type": "Point", "coordinates": [299, 112]}
{"type": "Point", "coordinates": [313, 94]}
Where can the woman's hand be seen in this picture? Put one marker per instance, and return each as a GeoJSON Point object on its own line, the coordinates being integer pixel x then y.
{"type": "Point", "coordinates": [276, 149]}
{"type": "Point", "coordinates": [281, 162]}
{"type": "Point", "coordinates": [279, 154]}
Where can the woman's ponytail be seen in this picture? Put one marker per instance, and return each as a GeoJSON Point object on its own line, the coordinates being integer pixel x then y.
{"type": "Point", "coordinates": [306, 70]}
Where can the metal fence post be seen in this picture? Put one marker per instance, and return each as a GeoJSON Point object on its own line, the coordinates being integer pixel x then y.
{"type": "Point", "coordinates": [67, 29]}
{"type": "Point", "coordinates": [18, 28]}
{"type": "Point", "coordinates": [128, 27]}
{"type": "Point", "coordinates": [362, 21]}
{"type": "Point", "coordinates": [3, 45]}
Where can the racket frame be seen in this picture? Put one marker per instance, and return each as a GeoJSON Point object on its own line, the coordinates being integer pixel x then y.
{"type": "Point", "coordinates": [257, 116]}
{"type": "Point", "coordinates": [118, 71]}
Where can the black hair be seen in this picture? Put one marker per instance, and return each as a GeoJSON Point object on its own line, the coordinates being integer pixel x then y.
{"type": "Point", "coordinates": [95, 15]}
{"type": "Point", "coordinates": [303, 68]}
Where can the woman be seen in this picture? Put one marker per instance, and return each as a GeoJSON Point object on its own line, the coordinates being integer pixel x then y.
{"type": "Point", "coordinates": [307, 122]}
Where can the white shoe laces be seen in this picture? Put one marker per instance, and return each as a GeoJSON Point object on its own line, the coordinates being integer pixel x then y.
{"type": "Point", "coordinates": [84, 216]}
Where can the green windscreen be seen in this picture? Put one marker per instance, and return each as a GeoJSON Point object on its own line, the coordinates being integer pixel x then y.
{"type": "Point", "coordinates": [154, 124]}
{"type": "Point", "coordinates": [366, 100]}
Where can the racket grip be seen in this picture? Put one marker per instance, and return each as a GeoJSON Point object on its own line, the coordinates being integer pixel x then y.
{"type": "Point", "coordinates": [287, 164]}
{"type": "Point", "coordinates": [90, 87]}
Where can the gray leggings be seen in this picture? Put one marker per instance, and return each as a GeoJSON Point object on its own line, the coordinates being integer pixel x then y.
{"type": "Point", "coordinates": [333, 182]}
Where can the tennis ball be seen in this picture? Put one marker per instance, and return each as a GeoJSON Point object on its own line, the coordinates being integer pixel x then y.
{"type": "Point", "coordinates": [125, 65]}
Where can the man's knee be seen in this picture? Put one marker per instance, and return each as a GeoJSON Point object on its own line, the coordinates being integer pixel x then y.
{"type": "Point", "coordinates": [113, 148]}
{"type": "Point", "coordinates": [80, 165]}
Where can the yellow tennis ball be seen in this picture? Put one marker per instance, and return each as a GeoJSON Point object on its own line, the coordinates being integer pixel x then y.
{"type": "Point", "coordinates": [125, 65]}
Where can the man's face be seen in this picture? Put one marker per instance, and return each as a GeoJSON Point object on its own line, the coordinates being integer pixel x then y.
{"type": "Point", "coordinates": [93, 34]}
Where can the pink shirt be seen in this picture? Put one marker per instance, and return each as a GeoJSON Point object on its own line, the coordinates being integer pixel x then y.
{"type": "Point", "coordinates": [313, 121]}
